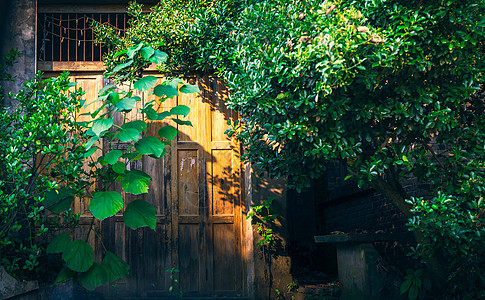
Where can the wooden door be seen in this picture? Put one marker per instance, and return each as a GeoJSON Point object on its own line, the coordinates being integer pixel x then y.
{"type": "Point", "coordinates": [197, 192]}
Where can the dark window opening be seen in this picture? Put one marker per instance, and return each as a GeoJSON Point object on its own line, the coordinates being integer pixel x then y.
{"type": "Point", "coordinates": [69, 36]}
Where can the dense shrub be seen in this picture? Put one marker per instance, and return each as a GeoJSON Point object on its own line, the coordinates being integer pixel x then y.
{"type": "Point", "coordinates": [41, 149]}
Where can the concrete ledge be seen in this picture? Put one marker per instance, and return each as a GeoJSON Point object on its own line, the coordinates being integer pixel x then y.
{"type": "Point", "coordinates": [364, 238]}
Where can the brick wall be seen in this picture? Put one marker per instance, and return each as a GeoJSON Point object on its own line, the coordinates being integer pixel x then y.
{"type": "Point", "coordinates": [348, 208]}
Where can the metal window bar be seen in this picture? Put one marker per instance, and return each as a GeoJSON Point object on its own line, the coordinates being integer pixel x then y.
{"type": "Point", "coordinates": [68, 36]}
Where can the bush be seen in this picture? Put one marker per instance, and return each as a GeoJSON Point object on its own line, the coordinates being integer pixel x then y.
{"type": "Point", "coordinates": [41, 150]}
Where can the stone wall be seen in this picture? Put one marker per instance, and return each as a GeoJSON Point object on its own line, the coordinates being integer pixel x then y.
{"type": "Point", "coordinates": [18, 23]}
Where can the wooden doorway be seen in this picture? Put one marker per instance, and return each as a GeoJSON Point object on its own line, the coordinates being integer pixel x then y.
{"type": "Point", "coordinates": [197, 190]}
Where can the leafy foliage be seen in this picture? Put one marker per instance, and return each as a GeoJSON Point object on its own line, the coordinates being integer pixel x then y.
{"type": "Point", "coordinates": [35, 170]}
{"type": "Point", "coordinates": [112, 167]}
{"type": "Point", "coordinates": [260, 214]}
{"type": "Point", "coordinates": [392, 89]}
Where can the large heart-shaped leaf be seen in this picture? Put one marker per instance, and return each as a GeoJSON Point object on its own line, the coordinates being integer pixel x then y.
{"type": "Point", "coordinates": [147, 52]}
{"type": "Point", "coordinates": [65, 274]}
{"type": "Point", "coordinates": [58, 200]}
{"type": "Point", "coordinates": [135, 182]}
{"type": "Point", "coordinates": [79, 256]}
{"type": "Point", "coordinates": [133, 50]}
{"type": "Point", "coordinates": [151, 113]}
{"type": "Point", "coordinates": [159, 57]}
{"type": "Point", "coordinates": [119, 167]}
{"type": "Point", "coordinates": [189, 89]}
{"type": "Point", "coordinates": [122, 66]}
{"type": "Point", "coordinates": [168, 132]}
{"type": "Point", "coordinates": [95, 277]}
{"type": "Point", "coordinates": [128, 134]}
{"type": "Point", "coordinates": [105, 204]}
{"type": "Point", "coordinates": [150, 145]}
{"type": "Point", "coordinates": [113, 97]}
{"type": "Point", "coordinates": [163, 115]}
{"type": "Point", "coordinates": [140, 213]}
{"type": "Point", "coordinates": [145, 83]}
{"type": "Point", "coordinates": [137, 124]}
{"type": "Point", "coordinates": [101, 125]}
{"type": "Point", "coordinates": [60, 243]}
{"type": "Point", "coordinates": [165, 90]}
{"type": "Point", "coordinates": [115, 266]}
{"type": "Point", "coordinates": [127, 104]}
{"type": "Point", "coordinates": [112, 156]}
{"type": "Point", "coordinates": [180, 110]}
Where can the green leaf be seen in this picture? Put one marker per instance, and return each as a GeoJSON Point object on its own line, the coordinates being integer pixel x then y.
{"type": "Point", "coordinates": [135, 182]}
{"type": "Point", "coordinates": [122, 66]}
{"type": "Point", "coordinates": [165, 90]}
{"type": "Point", "coordinates": [105, 204]}
{"type": "Point", "coordinates": [140, 213]}
{"type": "Point", "coordinates": [189, 89]}
{"type": "Point", "coordinates": [128, 134]}
{"type": "Point", "coordinates": [119, 53]}
{"type": "Point", "coordinates": [106, 89]}
{"type": "Point", "coordinates": [119, 167]}
{"type": "Point", "coordinates": [145, 83]}
{"type": "Point", "coordinates": [168, 132]}
{"type": "Point", "coordinates": [180, 110]}
{"type": "Point", "coordinates": [147, 52]}
{"type": "Point", "coordinates": [115, 266]}
{"type": "Point", "coordinates": [60, 243]}
{"type": "Point", "coordinates": [90, 152]}
{"type": "Point", "coordinates": [159, 57]}
{"type": "Point", "coordinates": [150, 145]}
{"type": "Point", "coordinates": [113, 97]}
{"type": "Point", "coordinates": [180, 122]}
{"type": "Point", "coordinates": [79, 256]}
{"type": "Point", "coordinates": [405, 286]}
{"type": "Point", "coordinates": [95, 277]}
{"type": "Point", "coordinates": [65, 274]}
{"type": "Point", "coordinates": [413, 292]}
{"type": "Point", "coordinates": [163, 115]}
{"type": "Point", "coordinates": [127, 104]}
{"type": "Point", "coordinates": [112, 156]}
{"type": "Point", "coordinates": [151, 114]}
{"type": "Point", "coordinates": [58, 200]}
{"type": "Point", "coordinates": [137, 124]}
{"type": "Point", "coordinates": [101, 125]}
{"type": "Point", "coordinates": [91, 142]}
{"type": "Point", "coordinates": [133, 50]}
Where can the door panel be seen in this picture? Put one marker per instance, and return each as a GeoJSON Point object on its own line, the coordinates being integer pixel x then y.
{"type": "Point", "coordinates": [196, 191]}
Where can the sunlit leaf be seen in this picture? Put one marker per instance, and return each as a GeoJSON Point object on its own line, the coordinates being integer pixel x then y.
{"type": "Point", "coordinates": [105, 204]}
{"type": "Point", "coordinates": [145, 83]}
{"type": "Point", "coordinates": [135, 182]}
{"type": "Point", "coordinates": [140, 213]}
{"type": "Point", "coordinates": [168, 132]}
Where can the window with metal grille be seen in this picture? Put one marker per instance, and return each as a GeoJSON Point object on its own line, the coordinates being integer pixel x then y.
{"type": "Point", "coordinates": [69, 36]}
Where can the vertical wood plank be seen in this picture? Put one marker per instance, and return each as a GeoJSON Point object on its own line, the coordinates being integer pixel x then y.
{"type": "Point", "coordinates": [188, 182]}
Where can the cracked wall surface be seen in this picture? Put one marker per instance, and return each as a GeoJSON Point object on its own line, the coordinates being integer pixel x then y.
{"type": "Point", "coordinates": [18, 22]}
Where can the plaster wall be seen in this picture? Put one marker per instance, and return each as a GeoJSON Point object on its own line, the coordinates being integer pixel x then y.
{"type": "Point", "coordinates": [18, 26]}
{"type": "Point", "coordinates": [269, 268]}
